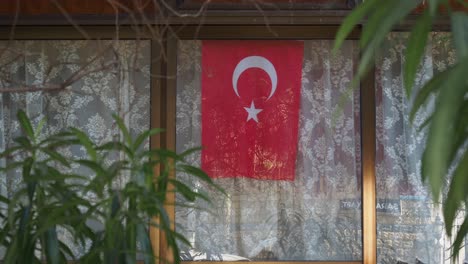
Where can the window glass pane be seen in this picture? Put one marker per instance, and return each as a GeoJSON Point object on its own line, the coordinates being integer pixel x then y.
{"type": "Point", "coordinates": [409, 224]}
{"type": "Point", "coordinates": [101, 78]}
{"type": "Point", "coordinates": [317, 216]}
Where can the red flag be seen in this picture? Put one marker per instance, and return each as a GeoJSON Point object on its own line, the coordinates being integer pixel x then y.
{"type": "Point", "coordinates": [250, 108]}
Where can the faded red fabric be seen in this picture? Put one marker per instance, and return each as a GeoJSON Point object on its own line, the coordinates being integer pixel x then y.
{"type": "Point", "coordinates": [234, 143]}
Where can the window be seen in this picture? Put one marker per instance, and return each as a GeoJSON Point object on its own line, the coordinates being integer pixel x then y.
{"type": "Point", "coordinates": [316, 216]}
{"type": "Point", "coordinates": [108, 77]}
{"type": "Point", "coordinates": [294, 205]}
{"type": "Point", "coordinates": [348, 142]}
{"type": "Point", "coordinates": [409, 224]}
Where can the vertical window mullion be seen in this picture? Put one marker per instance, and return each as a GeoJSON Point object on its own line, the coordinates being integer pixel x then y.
{"type": "Point", "coordinates": [157, 112]}
{"type": "Point", "coordinates": [368, 134]}
{"type": "Point", "coordinates": [169, 124]}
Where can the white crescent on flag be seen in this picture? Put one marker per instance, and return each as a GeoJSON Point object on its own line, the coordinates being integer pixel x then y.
{"type": "Point", "coordinates": [255, 62]}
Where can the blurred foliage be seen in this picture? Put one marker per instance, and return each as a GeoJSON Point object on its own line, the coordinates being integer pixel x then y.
{"type": "Point", "coordinates": [445, 159]}
{"type": "Point", "coordinates": [52, 198]}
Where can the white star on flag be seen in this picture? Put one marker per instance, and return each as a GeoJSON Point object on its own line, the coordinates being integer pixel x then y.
{"type": "Point", "coordinates": [253, 112]}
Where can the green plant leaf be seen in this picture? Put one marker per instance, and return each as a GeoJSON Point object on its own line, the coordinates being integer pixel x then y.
{"type": "Point", "coordinates": [352, 20]}
{"type": "Point", "coordinates": [457, 193]}
{"type": "Point", "coordinates": [26, 124]}
{"type": "Point", "coordinates": [199, 173]}
{"type": "Point", "coordinates": [116, 204]}
{"type": "Point", "coordinates": [190, 152]}
{"type": "Point", "coordinates": [460, 238]}
{"type": "Point", "coordinates": [424, 124]}
{"type": "Point", "coordinates": [39, 127]}
{"type": "Point", "coordinates": [433, 5]}
{"type": "Point", "coordinates": [12, 165]}
{"type": "Point", "coordinates": [367, 57]}
{"type": "Point", "coordinates": [12, 251]}
{"type": "Point", "coordinates": [183, 189]}
{"type": "Point", "coordinates": [25, 214]}
{"type": "Point", "coordinates": [430, 87]}
{"type": "Point", "coordinates": [161, 154]}
{"type": "Point", "coordinates": [146, 134]}
{"type": "Point", "coordinates": [5, 237]}
{"type": "Point", "coordinates": [15, 202]}
{"type": "Point", "coordinates": [63, 258]}
{"type": "Point", "coordinates": [117, 146]}
{"type": "Point", "coordinates": [66, 250]}
{"type": "Point", "coordinates": [461, 130]}
{"type": "Point", "coordinates": [26, 172]}
{"type": "Point", "coordinates": [56, 156]}
{"type": "Point", "coordinates": [4, 199]}
{"type": "Point", "coordinates": [381, 21]}
{"type": "Point", "coordinates": [145, 244]}
{"type": "Point", "coordinates": [170, 235]}
{"type": "Point", "coordinates": [436, 157]}
{"type": "Point", "coordinates": [130, 241]}
{"type": "Point", "coordinates": [415, 49]}
{"type": "Point", "coordinates": [54, 200]}
{"type": "Point", "coordinates": [376, 29]}
{"type": "Point", "coordinates": [187, 191]}
{"type": "Point", "coordinates": [61, 143]}
{"type": "Point", "coordinates": [10, 151]}
{"type": "Point", "coordinates": [459, 21]}
{"type": "Point", "coordinates": [23, 142]}
{"type": "Point", "coordinates": [86, 142]}
{"type": "Point", "coordinates": [64, 137]}
{"type": "Point", "coordinates": [52, 246]}
{"type": "Point", "coordinates": [115, 238]}
{"type": "Point", "coordinates": [95, 166]}
{"type": "Point", "coordinates": [123, 128]}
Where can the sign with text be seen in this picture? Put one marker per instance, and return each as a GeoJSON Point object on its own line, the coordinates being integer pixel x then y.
{"type": "Point", "coordinates": [391, 206]}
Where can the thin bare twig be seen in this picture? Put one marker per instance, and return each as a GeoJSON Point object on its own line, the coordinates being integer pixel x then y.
{"type": "Point", "coordinates": [175, 12]}
{"type": "Point", "coordinates": [116, 22]}
{"type": "Point", "coordinates": [70, 20]}
{"type": "Point", "coordinates": [49, 87]}
{"type": "Point", "coordinates": [32, 88]}
{"type": "Point", "coordinates": [15, 20]}
{"type": "Point", "coordinates": [74, 76]}
{"type": "Point", "coordinates": [265, 17]}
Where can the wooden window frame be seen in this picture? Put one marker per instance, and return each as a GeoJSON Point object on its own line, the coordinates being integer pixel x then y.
{"type": "Point", "coordinates": [105, 33]}
{"type": "Point", "coordinates": [367, 106]}
{"type": "Point", "coordinates": [163, 96]}
{"type": "Point", "coordinates": [266, 5]}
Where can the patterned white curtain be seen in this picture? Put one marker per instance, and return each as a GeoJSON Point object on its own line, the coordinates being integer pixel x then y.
{"type": "Point", "coordinates": [112, 77]}
{"type": "Point", "coordinates": [315, 217]}
{"type": "Point", "coordinates": [416, 231]}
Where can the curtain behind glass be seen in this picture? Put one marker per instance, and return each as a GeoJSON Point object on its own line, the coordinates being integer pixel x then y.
{"type": "Point", "coordinates": [417, 230]}
{"type": "Point", "coordinates": [315, 217]}
{"type": "Point", "coordinates": [116, 80]}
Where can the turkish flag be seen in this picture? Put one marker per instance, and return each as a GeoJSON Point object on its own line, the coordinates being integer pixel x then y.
{"type": "Point", "coordinates": [250, 108]}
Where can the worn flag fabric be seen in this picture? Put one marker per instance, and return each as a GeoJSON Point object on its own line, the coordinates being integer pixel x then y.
{"type": "Point", "coordinates": [250, 108]}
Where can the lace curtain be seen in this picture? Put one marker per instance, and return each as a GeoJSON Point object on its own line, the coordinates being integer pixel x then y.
{"type": "Point", "coordinates": [114, 78]}
{"type": "Point", "coordinates": [315, 217]}
{"type": "Point", "coordinates": [416, 230]}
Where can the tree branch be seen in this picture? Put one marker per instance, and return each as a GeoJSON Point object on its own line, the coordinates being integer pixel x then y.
{"type": "Point", "coordinates": [32, 88]}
